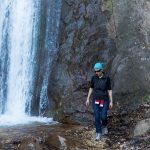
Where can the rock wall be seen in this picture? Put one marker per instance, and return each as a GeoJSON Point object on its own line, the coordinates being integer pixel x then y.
{"type": "Point", "coordinates": [115, 32]}
{"type": "Point", "coordinates": [132, 61]}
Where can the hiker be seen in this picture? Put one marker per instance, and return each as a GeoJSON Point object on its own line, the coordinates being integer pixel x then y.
{"type": "Point", "coordinates": [102, 99]}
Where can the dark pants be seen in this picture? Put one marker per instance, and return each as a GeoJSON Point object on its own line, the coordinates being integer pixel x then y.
{"type": "Point", "coordinates": [100, 114]}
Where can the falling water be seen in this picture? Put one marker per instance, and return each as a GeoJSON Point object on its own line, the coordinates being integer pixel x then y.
{"type": "Point", "coordinates": [52, 26]}
{"type": "Point", "coordinates": [19, 27]}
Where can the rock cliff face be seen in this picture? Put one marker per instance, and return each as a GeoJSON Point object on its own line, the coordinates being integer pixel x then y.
{"type": "Point", "coordinates": [116, 32]}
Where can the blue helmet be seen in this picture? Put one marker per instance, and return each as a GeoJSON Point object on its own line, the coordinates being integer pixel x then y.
{"type": "Point", "coordinates": [98, 66]}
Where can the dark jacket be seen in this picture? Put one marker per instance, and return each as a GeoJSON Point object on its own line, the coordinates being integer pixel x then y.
{"type": "Point", "coordinates": [100, 87]}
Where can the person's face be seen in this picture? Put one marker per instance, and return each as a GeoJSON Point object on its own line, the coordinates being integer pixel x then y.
{"type": "Point", "coordinates": [98, 72]}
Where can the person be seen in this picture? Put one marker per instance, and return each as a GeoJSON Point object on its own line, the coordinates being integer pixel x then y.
{"type": "Point", "coordinates": [102, 99]}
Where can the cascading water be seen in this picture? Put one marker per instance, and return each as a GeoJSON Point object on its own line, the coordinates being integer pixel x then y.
{"type": "Point", "coordinates": [19, 31]}
{"type": "Point", "coordinates": [52, 26]}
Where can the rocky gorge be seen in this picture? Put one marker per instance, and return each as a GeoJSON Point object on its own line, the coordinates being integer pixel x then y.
{"type": "Point", "coordinates": [115, 32]}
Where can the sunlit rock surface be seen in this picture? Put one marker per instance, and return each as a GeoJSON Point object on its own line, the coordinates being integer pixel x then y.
{"type": "Point", "coordinates": [142, 127]}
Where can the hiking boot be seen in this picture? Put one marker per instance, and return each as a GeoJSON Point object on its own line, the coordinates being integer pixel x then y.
{"type": "Point", "coordinates": [104, 130]}
{"type": "Point", "coordinates": [98, 136]}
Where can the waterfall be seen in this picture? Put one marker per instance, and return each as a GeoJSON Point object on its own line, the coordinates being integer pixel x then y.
{"type": "Point", "coordinates": [19, 31]}
{"type": "Point", "coordinates": [52, 26]}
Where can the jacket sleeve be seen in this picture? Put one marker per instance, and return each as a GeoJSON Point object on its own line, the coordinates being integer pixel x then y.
{"type": "Point", "coordinates": [108, 84]}
{"type": "Point", "coordinates": [92, 83]}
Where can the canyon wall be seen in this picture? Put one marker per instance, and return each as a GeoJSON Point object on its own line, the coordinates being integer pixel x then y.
{"type": "Point", "coordinates": [116, 32]}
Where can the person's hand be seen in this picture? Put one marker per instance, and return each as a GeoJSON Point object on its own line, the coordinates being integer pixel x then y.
{"type": "Point", "coordinates": [87, 102]}
{"type": "Point", "coordinates": [110, 105]}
